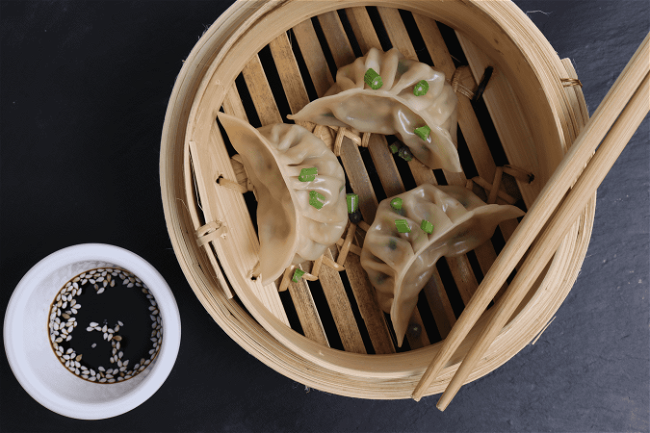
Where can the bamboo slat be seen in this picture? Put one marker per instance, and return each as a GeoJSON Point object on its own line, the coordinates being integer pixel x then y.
{"type": "Point", "coordinates": [343, 54]}
{"type": "Point", "coordinates": [339, 304]}
{"type": "Point", "coordinates": [310, 321]}
{"type": "Point", "coordinates": [506, 113]}
{"type": "Point", "coordinates": [331, 282]}
{"type": "Point", "coordinates": [361, 185]}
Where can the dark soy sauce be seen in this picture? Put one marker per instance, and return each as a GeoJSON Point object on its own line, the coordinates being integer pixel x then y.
{"type": "Point", "coordinates": [105, 325]}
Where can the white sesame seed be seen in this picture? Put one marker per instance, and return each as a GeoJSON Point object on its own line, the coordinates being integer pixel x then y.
{"type": "Point", "coordinates": [100, 368]}
{"type": "Point", "coordinates": [119, 322]}
{"type": "Point", "coordinates": [100, 291]}
{"type": "Point", "coordinates": [94, 345]}
{"type": "Point", "coordinates": [102, 380]}
{"type": "Point", "coordinates": [68, 338]}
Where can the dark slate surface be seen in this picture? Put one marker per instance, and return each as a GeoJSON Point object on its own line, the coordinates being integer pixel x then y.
{"type": "Point", "coordinates": [84, 87]}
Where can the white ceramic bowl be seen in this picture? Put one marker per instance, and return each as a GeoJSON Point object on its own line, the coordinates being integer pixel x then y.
{"type": "Point", "coordinates": [35, 364]}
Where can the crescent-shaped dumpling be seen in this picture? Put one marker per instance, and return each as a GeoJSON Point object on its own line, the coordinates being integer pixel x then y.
{"type": "Point", "coordinates": [393, 108]}
{"type": "Point", "coordinates": [290, 229]}
{"type": "Point", "coordinates": [399, 264]}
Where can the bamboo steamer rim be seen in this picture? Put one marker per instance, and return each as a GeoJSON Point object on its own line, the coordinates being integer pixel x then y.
{"type": "Point", "coordinates": [389, 376]}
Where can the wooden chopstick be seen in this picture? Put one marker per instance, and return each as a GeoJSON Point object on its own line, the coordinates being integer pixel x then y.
{"type": "Point", "coordinates": [544, 206]}
{"type": "Point", "coordinates": [545, 246]}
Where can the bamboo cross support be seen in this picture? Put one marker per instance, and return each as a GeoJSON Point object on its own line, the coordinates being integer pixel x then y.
{"type": "Point", "coordinates": [628, 85]}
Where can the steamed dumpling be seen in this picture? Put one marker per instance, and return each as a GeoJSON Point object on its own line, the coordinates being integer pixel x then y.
{"type": "Point", "coordinates": [400, 264]}
{"type": "Point", "coordinates": [393, 109]}
{"type": "Point", "coordinates": [290, 229]}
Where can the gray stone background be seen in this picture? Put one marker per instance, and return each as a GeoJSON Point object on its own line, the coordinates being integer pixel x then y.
{"type": "Point", "coordinates": [83, 92]}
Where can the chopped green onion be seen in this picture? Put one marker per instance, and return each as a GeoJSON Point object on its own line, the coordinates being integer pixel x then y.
{"type": "Point", "coordinates": [402, 226]}
{"type": "Point", "coordinates": [394, 148]}
{"type": "Point", "coordinates": [308, 174]}
{"type": "Point", "coordinates": [373, 79]}
{"type": "Point", "coordinates": [396, 203]}
{"type": "Point", "coordinates": [353, 202]}
{"type": "Point", "coordinates": [423, 132]}
{"type": "Point", "coordinates": [315, 199]}
{"type": "Point", "coordinates": [405, 153]}
{"type": "Point", "coordinates": [421, 88]}
{"type": "Point", "coordinates": [426, 226]}
{"type": "Point", "coordinates": [297, 275]}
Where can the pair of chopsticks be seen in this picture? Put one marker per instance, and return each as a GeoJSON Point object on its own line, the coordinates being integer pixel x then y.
{"type": "Point", "coordinates": [549, 219]}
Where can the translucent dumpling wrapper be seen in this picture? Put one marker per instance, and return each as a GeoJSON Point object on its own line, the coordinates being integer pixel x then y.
{"type": "Point", "coordinates": [393, 109]}
{"type": "Point", "coordinates": [290, 229]}
{"type": "Point", "coordinates": [400, 264]}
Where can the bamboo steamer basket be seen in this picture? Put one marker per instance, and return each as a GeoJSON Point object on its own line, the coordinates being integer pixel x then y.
{"type": "Point", "coordinates": [261, 60]}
